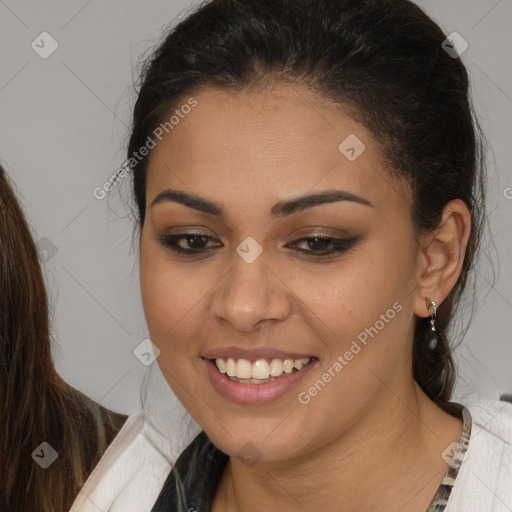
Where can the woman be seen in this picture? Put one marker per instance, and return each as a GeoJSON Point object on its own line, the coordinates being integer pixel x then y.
{"type": "Point", "coordinates": [51, 435]}
{"type": "Point", "coordinates": [309, 183]}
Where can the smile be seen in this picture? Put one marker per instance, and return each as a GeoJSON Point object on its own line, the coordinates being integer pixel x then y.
{"type": "Point", "coordinates": [259, 371]}
{"type": "Point", "coordinates": [256, 381]}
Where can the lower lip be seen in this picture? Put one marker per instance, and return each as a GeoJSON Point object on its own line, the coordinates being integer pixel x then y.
{"type": "Point", "coordinates": [241, 393]}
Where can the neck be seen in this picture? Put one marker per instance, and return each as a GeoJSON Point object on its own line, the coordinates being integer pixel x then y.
{"type": "Point", "coordinates": [390, 460]}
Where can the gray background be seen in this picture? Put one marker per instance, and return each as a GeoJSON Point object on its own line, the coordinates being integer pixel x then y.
{"type": "Point", "coordinates": [63, 128]}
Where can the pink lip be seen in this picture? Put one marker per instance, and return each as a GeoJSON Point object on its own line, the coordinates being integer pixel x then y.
{"type": "Point", "coordinates": [255, 393]}
{"type": "Point", "coordinates": [252, 354]}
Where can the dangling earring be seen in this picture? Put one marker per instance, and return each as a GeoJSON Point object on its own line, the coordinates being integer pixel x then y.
{"type": "Point", "coordinates": [432, 304]}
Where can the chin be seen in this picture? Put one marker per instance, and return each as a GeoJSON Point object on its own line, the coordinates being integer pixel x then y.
{"type": "Point", "coordinates": [257, 441]}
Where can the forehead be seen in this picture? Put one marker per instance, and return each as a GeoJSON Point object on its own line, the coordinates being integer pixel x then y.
{"type": "Point", "coordinates": [276, 142]}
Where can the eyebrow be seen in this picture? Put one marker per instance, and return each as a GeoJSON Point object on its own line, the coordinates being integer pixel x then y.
{"type": "Point", "coordinates": [280, 209]}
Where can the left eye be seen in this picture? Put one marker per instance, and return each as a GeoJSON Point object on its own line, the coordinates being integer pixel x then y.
{"type": "Point", "coordinates": [325, 245]}
{"type": "Point", "coordinates": [195, 244]}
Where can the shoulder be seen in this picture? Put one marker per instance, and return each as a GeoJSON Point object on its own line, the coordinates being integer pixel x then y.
{"type": "Point", "coordinates": [131, 472]}
{"type": "Point", "coordinates": [484, 481]}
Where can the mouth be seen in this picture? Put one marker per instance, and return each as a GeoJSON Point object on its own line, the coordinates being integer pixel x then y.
{"type": "Point", "coordinates": [257, 381]}
{"type": "Point", "coordinates": [259, 371]}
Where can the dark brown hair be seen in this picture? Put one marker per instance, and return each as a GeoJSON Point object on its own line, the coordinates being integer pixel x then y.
{"type": "Point", "coordinates": [36, 404]}
{"type": "Point", "coordinates": [384, 61]}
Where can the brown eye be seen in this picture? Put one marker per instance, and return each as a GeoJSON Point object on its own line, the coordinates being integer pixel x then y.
{"type": "Point", "coordinates": [324, 245]}
{"type": "Point", "coordinates": [186, 243]}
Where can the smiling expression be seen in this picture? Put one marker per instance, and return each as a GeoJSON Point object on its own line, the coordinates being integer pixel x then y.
{"type": "Point", "coordinates": [264, 242]}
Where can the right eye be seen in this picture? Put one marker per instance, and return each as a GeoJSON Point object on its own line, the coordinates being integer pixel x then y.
{"type": "Point", "coordinates": [191, 243]}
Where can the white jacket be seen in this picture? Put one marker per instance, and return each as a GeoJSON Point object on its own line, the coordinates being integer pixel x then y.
{"type": "Point", "coordinates": [134, 468]}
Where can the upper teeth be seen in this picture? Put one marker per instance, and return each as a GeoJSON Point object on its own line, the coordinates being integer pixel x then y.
{"type": "Point", "coordinates": [259, 369]}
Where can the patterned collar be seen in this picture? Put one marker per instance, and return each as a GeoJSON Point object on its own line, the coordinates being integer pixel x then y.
{"type": "Point", "coordinates": [191, 485]}
{"type": "Point", "coordinates": [440, 500]}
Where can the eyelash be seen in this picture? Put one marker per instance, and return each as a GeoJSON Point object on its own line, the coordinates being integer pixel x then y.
{"type": "Point", "coordinates": [341, 245]}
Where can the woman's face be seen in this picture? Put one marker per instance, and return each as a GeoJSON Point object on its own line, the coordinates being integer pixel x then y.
{"type": "Point", "coordinates": [256, 292]}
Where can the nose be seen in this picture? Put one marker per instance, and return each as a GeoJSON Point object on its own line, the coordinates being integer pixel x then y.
{"type": "Point", "coordinates": [251, 294]}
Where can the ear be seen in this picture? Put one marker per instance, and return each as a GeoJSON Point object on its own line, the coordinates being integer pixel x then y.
{"type": "Point", "coordinates": [441, 256]}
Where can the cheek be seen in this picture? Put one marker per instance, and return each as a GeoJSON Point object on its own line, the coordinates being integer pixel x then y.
{"type": "Point", "coordinates": [165, 306]}
{"type": "Point", "coordinates": [163, 294]}
{"type": "Point", "coordinates": [369, 297]}
{"type": "Point", "coordinates": [173, 299]}
{"type": "Point", "coordinates": [156, 294]}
